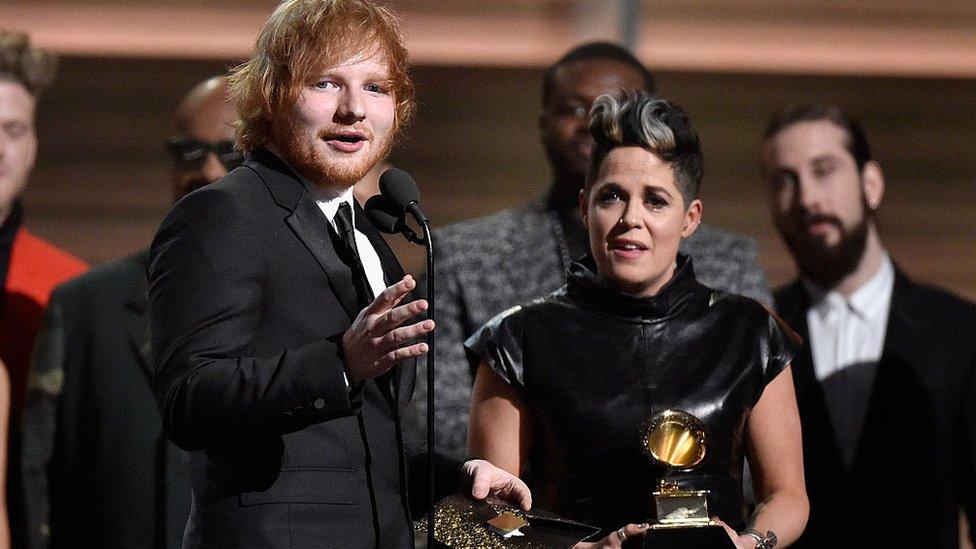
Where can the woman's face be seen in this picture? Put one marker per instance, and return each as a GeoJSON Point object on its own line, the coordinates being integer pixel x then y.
{"type": "Point", "coordinates": [636, 218]}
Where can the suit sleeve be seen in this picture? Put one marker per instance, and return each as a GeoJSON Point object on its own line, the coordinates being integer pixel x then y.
{"type": "Point", "coordinates": [206, 288]}
{"type": "Point", "coordinates": [42, 408]}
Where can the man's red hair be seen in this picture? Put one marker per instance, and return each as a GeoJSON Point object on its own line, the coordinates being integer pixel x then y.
{"type": "Point", "coordinates": [305, 36]}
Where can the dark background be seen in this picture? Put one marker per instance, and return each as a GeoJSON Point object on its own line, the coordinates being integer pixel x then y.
{"type": "Point", "coordinates": [101, 185]}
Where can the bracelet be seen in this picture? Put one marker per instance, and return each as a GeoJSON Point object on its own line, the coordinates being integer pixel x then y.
{"type": "Point", "coordinates": [762, 542]}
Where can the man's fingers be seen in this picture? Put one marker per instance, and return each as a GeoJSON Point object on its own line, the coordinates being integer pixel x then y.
{"type": "Point", "coordinates": [399, 355]}
{"type": "Point", "coordinates": [397, 315]}
{"type": "Point", "coordinates": [395, 338]}
{"type": "Point", "coordinates": [389, 297]}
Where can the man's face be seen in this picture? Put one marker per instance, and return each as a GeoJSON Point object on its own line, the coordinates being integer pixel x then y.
{"type": "Point", "coordinates": [18, 142]}
{"type": "Point", "coordinates": [210, 120]}
{"type": "Point", "coordinates": [567, 140]}
{"type": "Point", "coordinates": [342, 123]}
{"type": "Point", "coordinates": [818, 199]}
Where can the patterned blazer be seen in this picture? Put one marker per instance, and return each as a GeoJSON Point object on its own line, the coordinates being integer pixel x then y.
{"type": "Point", "coordinates": [487, 265]}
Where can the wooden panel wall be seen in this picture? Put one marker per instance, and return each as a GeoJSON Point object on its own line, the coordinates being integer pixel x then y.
{"type": "Point", "coordinates": [101, 185]}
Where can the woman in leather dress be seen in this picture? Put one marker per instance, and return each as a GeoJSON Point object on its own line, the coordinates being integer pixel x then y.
{"type": "Point", "coordinates": [564, 383]}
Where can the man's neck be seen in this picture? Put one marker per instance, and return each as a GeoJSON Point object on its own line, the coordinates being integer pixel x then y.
{"type": "Point", "coordinates": [867, 266]}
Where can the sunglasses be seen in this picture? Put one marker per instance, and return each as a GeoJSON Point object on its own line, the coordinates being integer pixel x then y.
{"type": "Point", "coordinates": [191, 154]}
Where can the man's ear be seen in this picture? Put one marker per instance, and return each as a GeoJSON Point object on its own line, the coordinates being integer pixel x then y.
{"type": "Point", "coordinates": [693, 217]}
{"type": "Point", "coordinates": [583, 205]}
{"type": "Point", "coordinates": [872, 181]}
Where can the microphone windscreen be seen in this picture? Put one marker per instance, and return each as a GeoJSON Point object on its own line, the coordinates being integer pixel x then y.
{"type": "Point", "coordinates": [399, 187]}
{"type": "Point", "coordinates": [381, 213]}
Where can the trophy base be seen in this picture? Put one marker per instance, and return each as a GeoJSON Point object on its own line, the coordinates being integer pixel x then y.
{"type": "Point", "coordinates": [709, 536]}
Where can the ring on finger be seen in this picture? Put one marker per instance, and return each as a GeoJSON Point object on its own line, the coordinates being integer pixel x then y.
{"type": "Point", "coordinates": [622, 535]}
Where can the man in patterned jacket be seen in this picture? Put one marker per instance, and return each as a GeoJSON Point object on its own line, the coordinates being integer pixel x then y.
{"type": "Point", "coordinates": [487, 265]}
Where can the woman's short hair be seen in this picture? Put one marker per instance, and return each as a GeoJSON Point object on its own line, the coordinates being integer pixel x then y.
{"type": "Point", "coordinates": [640, 119]}
{"type": "Point", "coordinates": [24, 63]}
{"type": "Point", "coordinates": [305, 36]}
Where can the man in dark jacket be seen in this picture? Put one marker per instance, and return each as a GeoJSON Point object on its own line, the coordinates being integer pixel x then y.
{"type": "Point", "coordinates": [98, 470]}
{"type": "Point", "coordinates": [30, 267]}
{"type": "Point", "coordinates": [885, 383]}
{"type": "Point", "coordinates": [282, 344]}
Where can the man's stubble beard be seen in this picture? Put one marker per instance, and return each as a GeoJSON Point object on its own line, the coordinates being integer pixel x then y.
{"type": "Point", "coordinates": [828, 265]}
{"type": "Point", "coordinates": [295, 147]}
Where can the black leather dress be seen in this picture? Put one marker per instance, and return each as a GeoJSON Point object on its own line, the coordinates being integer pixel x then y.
{"type": "Point", "coordinates": [592, 364]}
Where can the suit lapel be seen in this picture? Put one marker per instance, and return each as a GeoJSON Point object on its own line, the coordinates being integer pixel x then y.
{"type": "Point", "coordinates": [307, 222]}
{"type": "Point", "coordinates": [896, 386]}
{"type": "Point", "coordinates": [792, 305]}
{"type": "Point", "coordinates": [900, 334]}
{"type": "Point", "coordinates": [314, 230]}
{"type": "Point", "coordinates": [819, 438]}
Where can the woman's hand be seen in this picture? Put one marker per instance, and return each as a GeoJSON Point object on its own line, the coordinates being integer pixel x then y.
{"type": "Point", "coordinates": [741, 542]}
{"type": "Point", "coordinates": [616, 539]}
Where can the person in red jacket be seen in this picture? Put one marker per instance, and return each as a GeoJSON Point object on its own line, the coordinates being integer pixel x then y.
{"type": "Point", "coordinates": [29, 267]}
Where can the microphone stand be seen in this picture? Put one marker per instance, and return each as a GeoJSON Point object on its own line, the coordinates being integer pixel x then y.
{"type": "Point", "coordinates": [429, 247]}
{"type": "Point", "coordinates": [401, 197]}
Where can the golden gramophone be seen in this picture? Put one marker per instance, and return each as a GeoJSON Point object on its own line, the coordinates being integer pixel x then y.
{"type": "Point", "coordinates": [678, 441]}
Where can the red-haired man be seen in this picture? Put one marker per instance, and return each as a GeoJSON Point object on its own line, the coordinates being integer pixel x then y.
{"type": "Point", "coordinates": [283, 351]}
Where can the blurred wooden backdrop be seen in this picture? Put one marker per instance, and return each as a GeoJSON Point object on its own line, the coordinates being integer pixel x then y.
{"type": "Point", "coordinates": [101, 183]}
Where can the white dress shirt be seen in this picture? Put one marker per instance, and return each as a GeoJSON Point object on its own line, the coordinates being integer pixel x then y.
{"type": "Point", "coordinates": [845, 331]}
{"type": "Point", "coordinates": [329, 202]}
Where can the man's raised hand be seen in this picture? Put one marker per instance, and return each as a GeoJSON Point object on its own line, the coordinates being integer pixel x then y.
{"type": "Point", "coordinates": [376, 341]}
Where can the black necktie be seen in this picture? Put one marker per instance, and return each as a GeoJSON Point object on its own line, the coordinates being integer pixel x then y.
{"type": "Point", "coordinates": [364, 292]}
{"type": "Point", "coordinates": [347, 232]}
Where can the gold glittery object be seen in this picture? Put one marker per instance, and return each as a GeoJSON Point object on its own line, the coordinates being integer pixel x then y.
{"type": "Point", "coordinates": [457, 525]}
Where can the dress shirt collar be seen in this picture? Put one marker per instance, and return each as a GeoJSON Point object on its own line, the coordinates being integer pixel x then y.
{"type": "Point", "coordinates": [329, 201]}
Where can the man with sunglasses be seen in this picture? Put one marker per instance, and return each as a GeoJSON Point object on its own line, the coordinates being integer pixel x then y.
{"type": "Point", "coordinates": [98, 470]}
{"type": "Point", "coordinates": [203, 148]}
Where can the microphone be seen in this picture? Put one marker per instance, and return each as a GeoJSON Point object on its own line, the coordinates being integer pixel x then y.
{"type": "Point", "coordinates": [400, 188]}
{"type": "Point", "coordinates": [383, 214]}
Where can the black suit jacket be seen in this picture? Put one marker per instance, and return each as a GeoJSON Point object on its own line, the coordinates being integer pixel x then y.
{"type": "Point", "coordinates": [93, 433]}
{"type": "Point", "coordinates": [915, 462]}
{"type": "Point", "coordinates": [249, 299]}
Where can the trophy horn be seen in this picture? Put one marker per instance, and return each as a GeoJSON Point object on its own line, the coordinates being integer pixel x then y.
{"type": "Point", "coordinates": [675, 439]}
